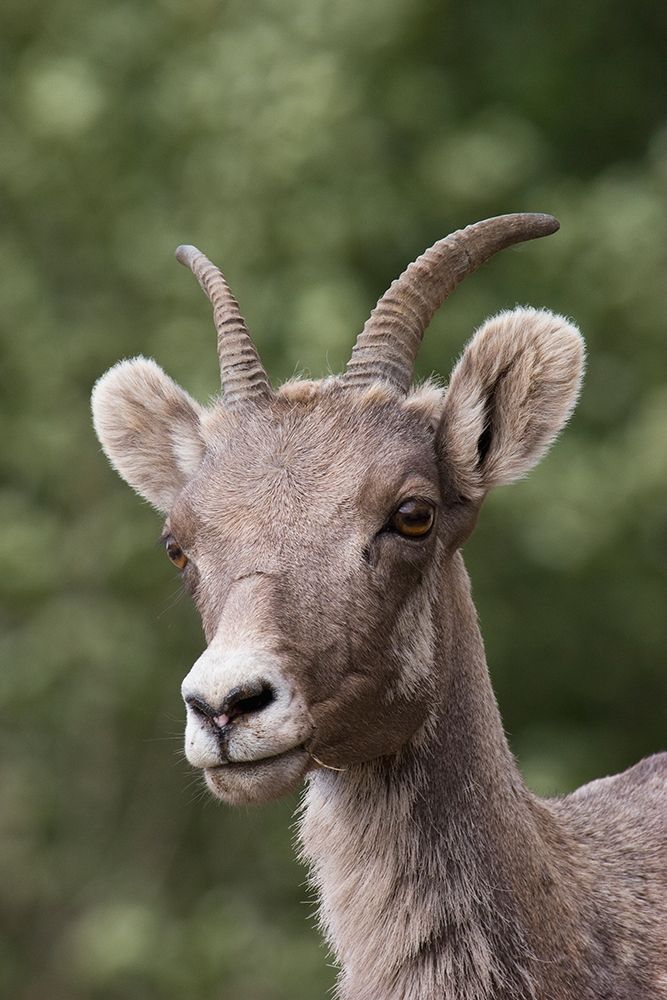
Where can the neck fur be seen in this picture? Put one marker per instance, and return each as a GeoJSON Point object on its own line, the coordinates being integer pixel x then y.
{"type": "Point", "coordinates": [436, 866]}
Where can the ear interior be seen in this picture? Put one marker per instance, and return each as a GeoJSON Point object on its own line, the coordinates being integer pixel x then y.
{"type": "Point", "coordinates": [509, 396]}
{"type": "Point", "coordinates": [150, 429]}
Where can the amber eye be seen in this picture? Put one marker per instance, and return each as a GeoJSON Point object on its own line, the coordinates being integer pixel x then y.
{"type": "Point", "coordinates": [176, 553]}
{"type": "Point", "coordinates": [414, 518]}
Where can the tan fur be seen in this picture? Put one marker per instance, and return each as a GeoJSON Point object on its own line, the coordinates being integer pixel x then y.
{"type": "Point", "coordinates": [298, 390]}
{"type": "Point", "coordinates": [439, 876]}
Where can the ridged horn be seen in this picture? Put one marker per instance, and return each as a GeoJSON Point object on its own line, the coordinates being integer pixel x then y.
{"type": "Point", "coordinates": [241, 372]}
{"type": "Point", "coordinates": [387, 346]}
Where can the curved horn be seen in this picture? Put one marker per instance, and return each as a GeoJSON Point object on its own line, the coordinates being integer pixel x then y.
{"type": "Point", "coordinates": [241, 373]}
{"type": "Point", "coordinates": [387, 346]}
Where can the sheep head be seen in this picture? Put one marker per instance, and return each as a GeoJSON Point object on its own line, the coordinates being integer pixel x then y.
{"type": "Point", "coordinates": [314, 525]}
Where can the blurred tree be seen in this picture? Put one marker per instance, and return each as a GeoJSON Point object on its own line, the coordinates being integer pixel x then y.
{"type": "Point", "coordinates": [313, 149]}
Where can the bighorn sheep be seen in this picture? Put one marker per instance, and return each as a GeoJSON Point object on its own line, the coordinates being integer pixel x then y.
{"type": "Point", "coordinates": [319, 528]}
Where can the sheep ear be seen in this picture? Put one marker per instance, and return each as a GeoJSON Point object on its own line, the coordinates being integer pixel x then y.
{"type": "Point", "coordinates": [150, 429]}
{"type": "Point", "coordinates": [510, 394]}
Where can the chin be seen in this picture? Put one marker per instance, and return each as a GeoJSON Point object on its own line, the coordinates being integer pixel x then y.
{"type": "Point", "coordinates": [258, 781]}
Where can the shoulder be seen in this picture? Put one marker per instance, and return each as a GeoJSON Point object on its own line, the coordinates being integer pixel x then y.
{"type": "Point", "coordinates": [647, 777]}
{"type": "Point", "coordinates": [617, 808]}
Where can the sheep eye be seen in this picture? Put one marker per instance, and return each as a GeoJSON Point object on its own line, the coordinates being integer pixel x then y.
{"type": "Point", "coordinates": [413, 519]}
{"type": "Point", "coordinates": [176, 554]}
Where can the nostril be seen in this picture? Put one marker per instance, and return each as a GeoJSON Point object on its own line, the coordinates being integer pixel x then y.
{"type": "Point", "coordinates": [247, 700]}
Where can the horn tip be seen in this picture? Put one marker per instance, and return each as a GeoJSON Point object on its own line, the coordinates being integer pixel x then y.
{"type": "Point", "coordinates": [547, 224]}
{"type": "Point", "coordinates": [185, 254]}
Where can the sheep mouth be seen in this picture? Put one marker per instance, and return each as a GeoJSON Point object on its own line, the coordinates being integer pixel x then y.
{"type": "Point", "coordinates": [240, 765]}
{"type": "Point", "coordinates": [256, 781]}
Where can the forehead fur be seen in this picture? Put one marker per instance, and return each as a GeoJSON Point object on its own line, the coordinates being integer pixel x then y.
{"type": "Point", "coordinates": [315, 446]}
{"type": "Point", "coordinates": [304, 411]}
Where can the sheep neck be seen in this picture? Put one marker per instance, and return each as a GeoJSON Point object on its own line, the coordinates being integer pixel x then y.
{"type": "Point", "coordinates": [436, 867]}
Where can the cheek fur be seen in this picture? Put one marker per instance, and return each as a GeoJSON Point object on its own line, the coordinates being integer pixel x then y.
{"type": "Point", "coordinates": [371, 688]}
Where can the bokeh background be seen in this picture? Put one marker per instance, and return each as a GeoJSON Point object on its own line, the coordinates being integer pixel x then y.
{"type": "Point", "coordinates": [313, 149]}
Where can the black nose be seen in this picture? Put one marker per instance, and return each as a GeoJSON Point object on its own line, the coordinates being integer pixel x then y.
{"type": "Point", "coordinates": [247, 699]}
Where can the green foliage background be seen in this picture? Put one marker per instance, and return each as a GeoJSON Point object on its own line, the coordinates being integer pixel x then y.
{"type": "Point", "coordinates": [313, 149]}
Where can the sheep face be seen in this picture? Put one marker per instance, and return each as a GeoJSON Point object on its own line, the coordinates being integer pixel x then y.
{"type": "Point", "coordinates": [310, 531]}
